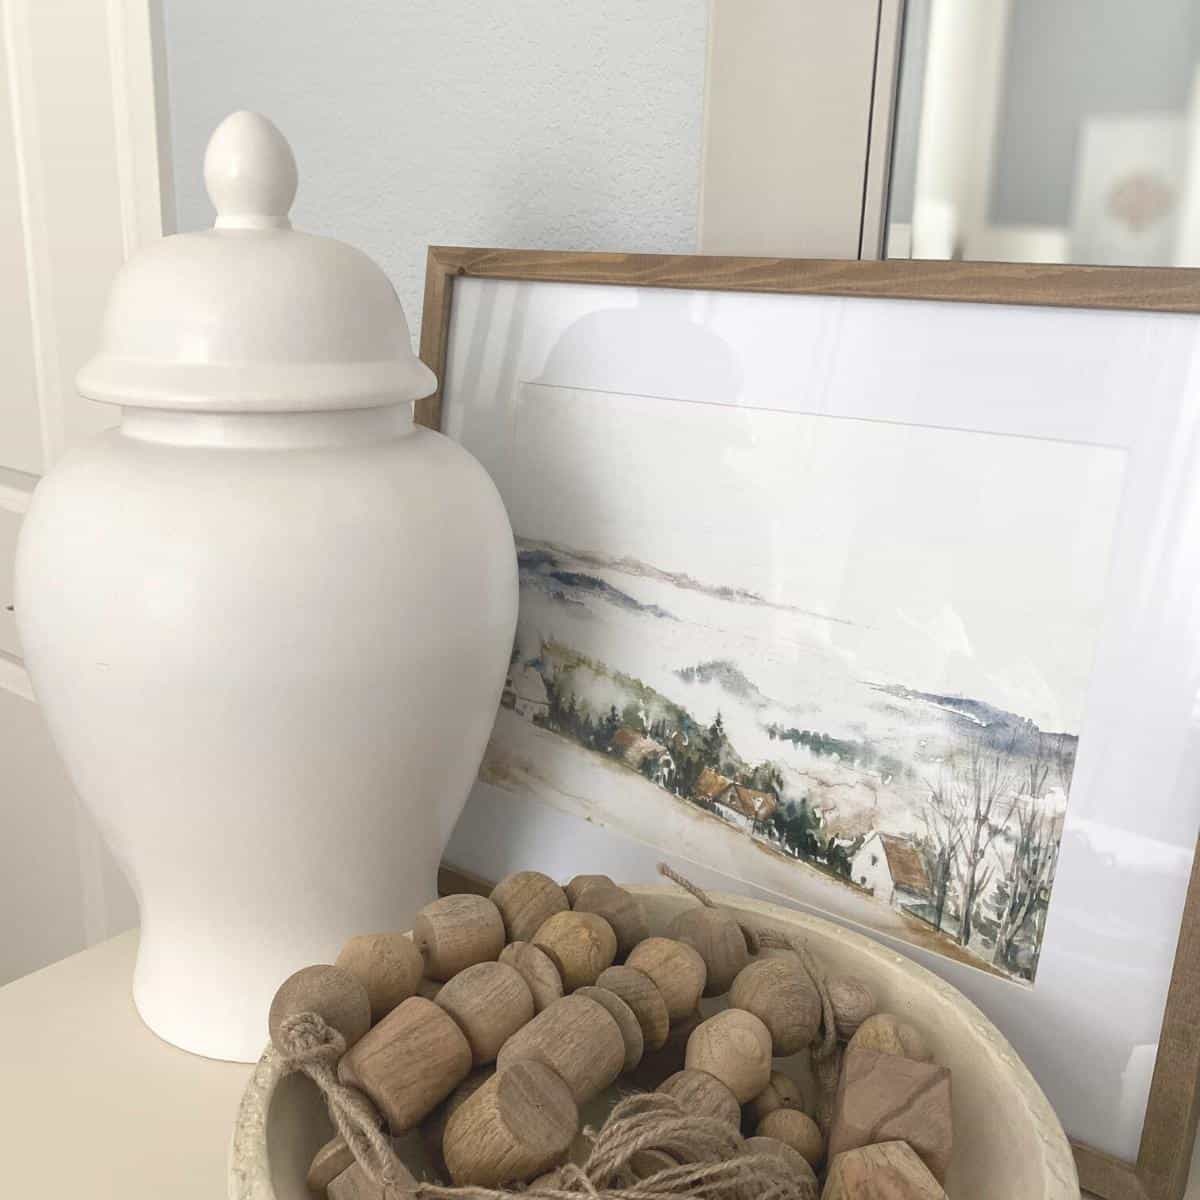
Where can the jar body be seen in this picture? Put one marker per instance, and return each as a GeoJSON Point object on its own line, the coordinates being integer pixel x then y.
{"type": "Point", "coordinates": [270, 650]}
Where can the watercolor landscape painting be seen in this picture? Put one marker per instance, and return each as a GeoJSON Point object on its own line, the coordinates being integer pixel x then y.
{"type": "Point", "coordinates": [844, 660]}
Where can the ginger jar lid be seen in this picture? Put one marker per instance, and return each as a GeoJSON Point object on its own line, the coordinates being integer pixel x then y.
{"type": "Point", "coordinates": [252, 315]}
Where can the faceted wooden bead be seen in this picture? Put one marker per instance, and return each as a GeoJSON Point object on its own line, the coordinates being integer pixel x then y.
{"type": "Point", "coordinates": [621, 909]}
{"type": "Point", "coordinates": [782, 996]}
{"type": "Point", "coordinates": [388, 965]}
{"type": "Point", "coordinates": [626, 1020]}
{"type": "Point", "coordinates": [354, 1184]}
{"type": "Point", "coordinates": [457, 932]}
{"type": "Point", "coordinates": [717, 937]}
{"type": "Point", "coordinates": [537, 969]}
{"type": "Point", "coordinates": [580, 883]}
{"type": "Point", "coordinates": [675, 968]}
{"type": "Point", "coordinates": [703, 1095]}
{"type": "Point", "coordinates": [782, 1091]}
{"type": "Point", "coordinates": [641, 993]}
{"type": "Point", "coordinates": [795, 1129]}
{"type": "Point", "coordinates": [328, 1163]}
{"type": "Point", "coordinates": [328, 991]}
{"type": "Point", "coordinates": [853, 1002]}
{"type": "Point", "coordinates": [577, 1039]}
{"type": "Point", "coordinates": [517, 1126]}
{"type": "Point", "coordinates": [735, 1046]}
{"type": "Point", "coordinates": [433, 1128]}
{"type": "Point", "coordinates": [889, 1035]}
{"type": "Point", "coordinates": [885, 1171]}
{"type": "Point", "coordinates": [580, 945]}
{"type": "Point", "coordinates": [526, 900]}
{"type": "Point", "coordinates": [490, 1002]}
{"type": "Point", "coordinates": [803, 1176]}
{"type": "Point", "coordinates": [408, 1063]}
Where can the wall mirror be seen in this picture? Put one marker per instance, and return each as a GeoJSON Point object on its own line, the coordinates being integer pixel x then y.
{"type": "Point", "coordinates": [1058, 131]}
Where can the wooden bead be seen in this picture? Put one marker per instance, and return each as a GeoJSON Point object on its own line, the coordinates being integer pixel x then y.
{"type": "Point", "coordinates": [388, 965]}
{"type": "Point", "coordinates": [658, 1067]}
{"type": "Point", "coordinates": [518, 1125]}
{"type": "Point", "coordinates": [328, 1163]}
{"type": "Point", "coordinates": [354, 1184]}
{"type": "Point", "coordinates": [783, 997]}
{"type": "Point", "coordinates": [433, 1128]}
{"type": "Point", "coordinates": [886, 1171]}
{"type": "Point", "coordinates": [782, 1091]}
{"type": "Point", "coordinates": [627, 1022]}
{"type": "Point", "coordinates": [580, 945]}
{"type": "Point", "coordinates": [803, 1176]}
{"type": "Point", "coordinates": [703, 1095]}
{"type": "Point", "coordinates": [429, 988]}
{"type": "Point", "coordinates": [581, 883]}
{"type": "Point", "coordinates": [675, 968]}
{"type": "Point", "coordinates": [537, 969]}
{"type": "Point", "coordinates": [490, 1002]}
{"type": "Point", "coordinates": [644, 999]}
{"type": "Point", "coordinates": [576, 1038]}
{"type": "Point", "coordinates": [889, 1035]}
{"type": "Point", "coordinates": [328, 991]}
{"type": "Point", "coordinates": [735, 1046]}
{"type": "Point", "coordinates": [457, 932]}
{"type": "Point", "coordinates": [884, 1098]}
{"type": "Point", "coordinates": [853, 1002]}
{"type": "Point", "coordinates": [408, 1063]}
{"type": "Point", "coordinates": [526, 900]}
{"type": "Point", "coordinates": [795, 1129]}
{"type": "Point", "coordinates": [621, 909]}
{"type": "Point", "coordinates": [717, 937]}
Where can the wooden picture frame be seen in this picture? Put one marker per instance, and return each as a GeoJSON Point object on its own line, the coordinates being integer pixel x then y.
{"type": "Point", "coordinates": [1160, 1171]}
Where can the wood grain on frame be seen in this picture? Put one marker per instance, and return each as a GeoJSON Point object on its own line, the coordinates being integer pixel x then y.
{"type": "Point", "coordinates": [1169, 1131]}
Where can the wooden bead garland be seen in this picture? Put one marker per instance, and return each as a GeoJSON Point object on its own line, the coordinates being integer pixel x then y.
{"type": "Point", "coordinates": [329, 991]}
{"type": "Point", "coordinates": [457, 932]}
{"type": "Point", "coordinates": [795, 1129]}
{"type": "Point", "coordinates": [328, 1163]}
{"type": "Point", "coordinates": [717, 937]}
{"type": "Point", "coordinates": [783, 997]}
{"type": "Point", "coordinates": [735, 1046]}
{"type": "Point", "coordinates": [537, 969]}
{"type": "Point", "coordinates": [388, 965]}
{"type": "Point", "coordinates": [490, 1002]}
{"type": "Point", "coordinates": [433, 1128]}
{"type": "Point", "coordinates": [580, 945]}
{"type": "Point", "coordinates": [703, 1094]}
{"type": "Point", "coordinates": [526, 900]}
{"type": "Point", "coordinates": [621, 909]}
{"type": "Point", "coordinates": [627, 1022]}
{"type": "Point", "coordinates": [677, 971]}
{"type": "Point", "coordinates": [800, 1166]}
{"type": "Point", "coordinates": [853, 1002]}
{"type": "Point", "coordinates": [641, 993]}
{"type": "Point", "coordinates": [580, 883]}
{"type": "Point", "coordinates": [782, 1091]}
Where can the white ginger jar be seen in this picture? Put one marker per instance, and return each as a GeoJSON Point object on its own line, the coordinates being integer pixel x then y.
{"type": "Point", "coordinates": [268, 619]}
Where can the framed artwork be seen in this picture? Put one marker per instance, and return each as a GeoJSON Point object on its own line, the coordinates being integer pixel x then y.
{"type": "Point", "coordinates": [873, 586]}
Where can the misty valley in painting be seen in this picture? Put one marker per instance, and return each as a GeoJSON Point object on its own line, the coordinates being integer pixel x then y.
{"type": "Point", "coordinates": [843, 660]}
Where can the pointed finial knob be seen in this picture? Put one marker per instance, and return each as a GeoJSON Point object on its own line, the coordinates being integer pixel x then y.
{"type": "Point", "coordinates": [250, 173]}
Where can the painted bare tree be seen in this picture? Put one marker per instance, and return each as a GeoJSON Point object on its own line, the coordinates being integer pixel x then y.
{"type": "Point", "coordinates": [944, 825]}
{"type": "Point", "coordinates": [1035, 852]}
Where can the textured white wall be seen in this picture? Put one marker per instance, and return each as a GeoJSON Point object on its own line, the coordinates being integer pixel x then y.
{"type": "Point", "coordinates": [565, 124]}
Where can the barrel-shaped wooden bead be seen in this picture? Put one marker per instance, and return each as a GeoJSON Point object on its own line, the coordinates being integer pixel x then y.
{"type": "Point", "coordinates": [717, 937]}
{"type": "Point", "coordinates": [676, 969]}
{"type": "Point", "coordinates": [641, 993]}
{"type": "Point", "coordinates": [782, 1091]}
{"type": "Point", "coordinates": [457, 932]}
{"type": "Point", "coordinates": [621, 909]}
{"type": "Point", "coordinates": [355, 1184]}
{"type": "Point", "coordinates": [626, 1019]}
{"type": "Point", "coordinates": [329, 992]}
{"type": "Point", "coordinates": [795, 1129]}
{"type": "Point", "coordinates": [703, 1095]}
{"type": "Point", "coordinates": [433, 1128]}
{"type": "Point", "coordinates": [515, 1127]}
{"type": "Point", "coordinates": [388, 965]}
{"type": "Point", "coordinates": [580, 945]}
{"type": "Point", "coordinates": [526, 900]}
{"type": "Point", "coordinates": [852, 1002]}
{"type": "Point", "coordinates": [781, 994]}
{"type": "Point", "coordinates": [735, 1046]}
{"type": "Point", "coordinates": [580, 883]}
{"type": "Point", "coordinates": [537, 969]}
{"type": "Point", "coordinates": [409, 1063]}
{"type": "Point", "coordinates": [577, 1039]}
{"type": "Point", "coordinates": [490, 1002]}
{"type": "Point", "coordinates": [328, 1163]}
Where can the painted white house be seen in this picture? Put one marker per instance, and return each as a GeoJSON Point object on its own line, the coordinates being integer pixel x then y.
{"type": "Point", "coordinates": [891, 869]}
{"type": "Point", "coordinates": [527, 694]}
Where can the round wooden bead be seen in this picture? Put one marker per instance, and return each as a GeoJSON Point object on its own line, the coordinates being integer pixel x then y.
{"type": "Point", "coordinates": [703, 1095]}
{"type": "Point", "coordinates": [621, 909]}
{"type": "Point", "coordinates": [641, 993]}
{"type": "Point", "coordinates": [457, 932]}
{"type": "Point", "coordinates": [887, 1034]}
{"type": "Point", "coordinates": [328, 1163]}
{"type": "Point", "coordinates": [328, 991]}
{"type": "Point", "coordinates": [433, 1128]}
{"type": "Point", "coordinates": [526, 900]}
{"type": "Point", "coordinates": [490, 1002]}
{"type": "Point", "coordinates": [717, 937]}
{"type": "Point", "coordinates": [782, 1091]}
{"type": "Point", "coordinates": [408, 1063]}
{"type": "Point", "coordinates": [580, 945]}
{"type": "Point", "coordinates": [626, 1020]}
{"type": "Point", "coordinates": [388, 965]}
{"type": "Point", "coordinates": [581, 883]}
{"type": "Point", "coordinates": [537, 969]}
{"type": "Point", "coordinates": [735, 1046]}
{"type": "Point", "coordinates": [853, 1002]}
{"type": "Point", "coordinates": [675, 968]}
{"type": "Point", "coordinates": [802, 1173]}
{"type": "Point", "coordinates": [577, 1039]}
{"type": "Point", "coordinates": [783, 997]}
{"type": "Point", "coordinates": [795, 1129]}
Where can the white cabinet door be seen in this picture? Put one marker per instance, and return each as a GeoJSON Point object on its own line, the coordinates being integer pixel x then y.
{"type": "Point", "coordinates": [79, 190]}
